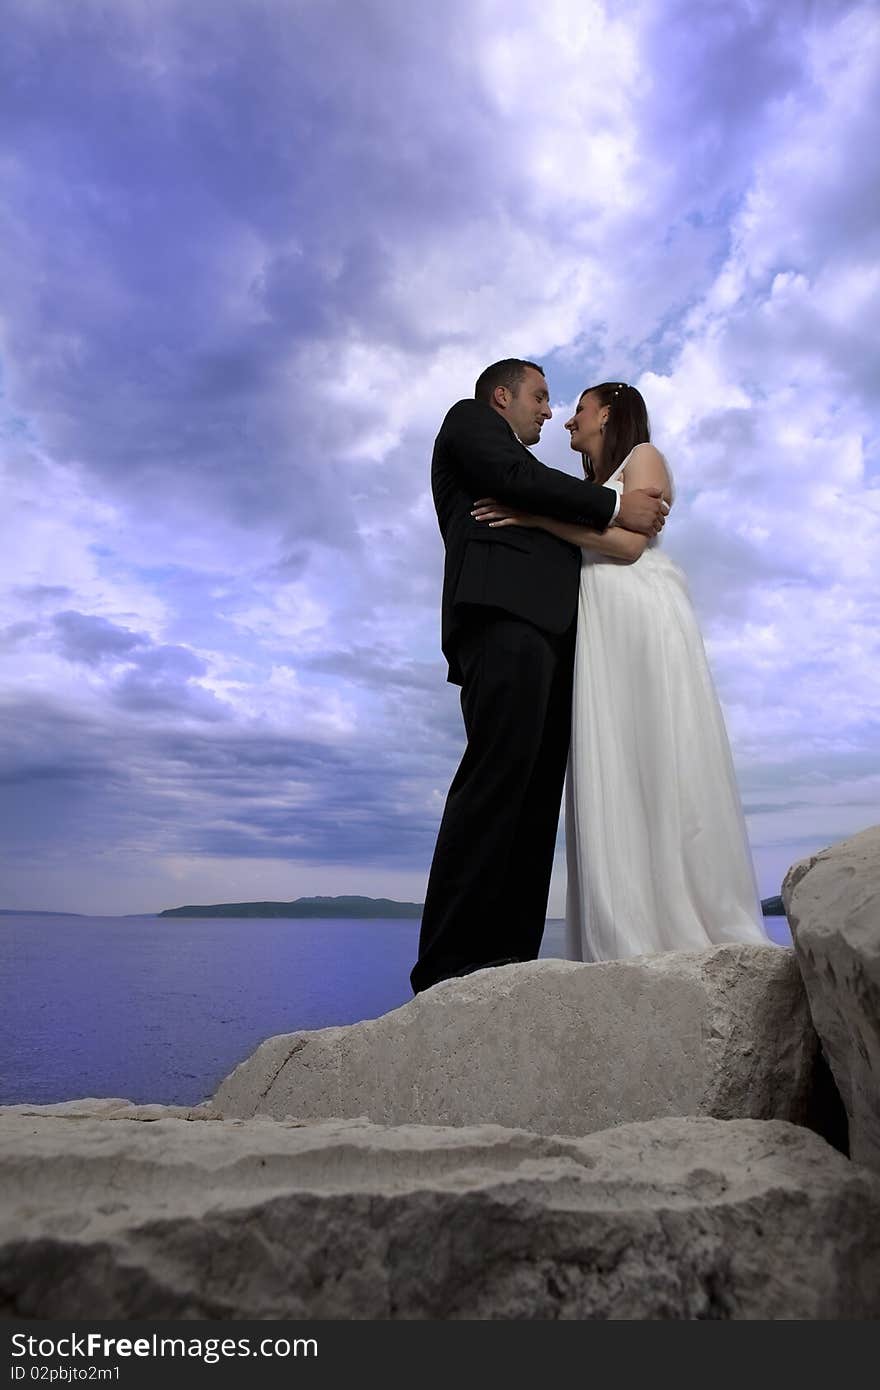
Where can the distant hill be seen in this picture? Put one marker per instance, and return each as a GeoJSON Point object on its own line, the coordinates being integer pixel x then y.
{"type": "Point", "coordinates": [772, 907]}
{"type": "Point", "coordinates": [302, 907]}
{"type": "Point", "coordinates": [309, 907]}
{"type": "Point", "coordinates": [18, 912]}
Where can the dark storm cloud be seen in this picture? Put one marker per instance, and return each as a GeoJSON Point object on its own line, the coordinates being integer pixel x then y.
{"type": "Point", "coordinates": [161, 681]}
{"type": "Point", "coordinates": [216, 792]}
{"type": "Point", "coordinates": [712, 68]}
{"type": "Point", "coordinates": [378, 668]}
{"type": "Point", "coordinates": [82, 637]}
{"type": "Point", "coordinates": [18, 634]}
{"type": "Point", "coordinates": [155, 679]}
{"type": "Point", "coordinates": [204, 191]}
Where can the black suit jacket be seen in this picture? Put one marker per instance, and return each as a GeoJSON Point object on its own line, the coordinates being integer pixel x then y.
{"type": "Point", "coordinates": [524, 571]}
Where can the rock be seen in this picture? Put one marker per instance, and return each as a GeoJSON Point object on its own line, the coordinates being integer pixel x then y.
{"type": "Point", "coordinates": [108, 1218]}
{"type": "Point", "coordinates": [113, 1108]}
{"type": "Point", "coordinates": [833, 905]}
{"type": "Point", "coordinates": [559, 1048]}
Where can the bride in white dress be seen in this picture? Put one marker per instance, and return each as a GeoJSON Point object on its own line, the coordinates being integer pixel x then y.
{"type": "Point", "coordinates": [656, 845]}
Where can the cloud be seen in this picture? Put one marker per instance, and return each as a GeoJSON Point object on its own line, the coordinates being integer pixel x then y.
{"type": "Point", "coordinates": [81, 637]}
{"type": "Point", "coordinates": [254, 253]}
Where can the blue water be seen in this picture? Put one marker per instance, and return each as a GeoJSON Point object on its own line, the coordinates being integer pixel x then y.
{"type": "Point", "coordinates": [161, 1009]}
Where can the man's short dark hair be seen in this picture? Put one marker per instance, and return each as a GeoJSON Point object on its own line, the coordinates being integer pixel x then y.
{"type": "Point", "coordinates": [508, 373]}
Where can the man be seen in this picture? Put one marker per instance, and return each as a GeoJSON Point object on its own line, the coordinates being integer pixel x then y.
{"type": "Point", "coordinates": [509, 613]}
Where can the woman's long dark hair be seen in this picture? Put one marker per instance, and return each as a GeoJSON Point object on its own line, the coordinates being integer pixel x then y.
{"type": "Point", "coordinates": [626, 426]}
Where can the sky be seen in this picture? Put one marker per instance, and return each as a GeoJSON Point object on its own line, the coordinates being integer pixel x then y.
{"type": "Point", "coordinates": [250, 253]}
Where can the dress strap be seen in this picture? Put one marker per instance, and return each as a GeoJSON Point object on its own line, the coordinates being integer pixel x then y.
{"type": "Point", "coordinates": [620, 467]}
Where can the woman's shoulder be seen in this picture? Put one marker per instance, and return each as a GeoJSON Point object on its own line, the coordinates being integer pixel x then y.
{"type": "Point", "coordinates": [645, 466]}
{"type": "Point", "coordinates": [644, 458]}
{"type": "Point", "coordinates": [646, 453]}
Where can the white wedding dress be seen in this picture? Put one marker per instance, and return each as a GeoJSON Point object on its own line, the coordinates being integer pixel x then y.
{"type": "Point", "coordinates": [655, 836]}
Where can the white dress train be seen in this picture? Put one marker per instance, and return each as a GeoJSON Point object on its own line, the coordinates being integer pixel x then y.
{"type": "Point", "coordinates": [656, 845]}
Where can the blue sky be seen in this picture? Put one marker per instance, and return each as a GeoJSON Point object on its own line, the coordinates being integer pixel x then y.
{"type": "Point", "coordinates": [253, 250]}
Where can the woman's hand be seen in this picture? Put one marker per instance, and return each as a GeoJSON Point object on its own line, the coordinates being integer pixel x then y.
{"type": "Point", "coordinates": [499, 514]}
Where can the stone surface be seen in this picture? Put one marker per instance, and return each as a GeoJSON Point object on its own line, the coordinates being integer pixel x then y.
{"type": "Point", "coordinates": [154, 1218]}
{"type": "Point", "coordinates": [833, 906]}
{"type": "Point", "coordinates": [558, 1048]}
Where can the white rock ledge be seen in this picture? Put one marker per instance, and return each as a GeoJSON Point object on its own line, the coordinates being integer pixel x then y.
{"type": "Point", "coordinates": [558, 1048]}
{"type": "Point", "coordinates": [156, 1217]}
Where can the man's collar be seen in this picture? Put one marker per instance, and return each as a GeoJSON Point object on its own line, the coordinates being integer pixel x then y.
{"type": "Point", "coordinates": [518, 440]}
{"type": "Point", "coordinates": [514, 433]}
{"type": "Point", "coordinates": [510, 427]}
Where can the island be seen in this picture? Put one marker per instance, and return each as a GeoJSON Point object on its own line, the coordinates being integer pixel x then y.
{"type": "Point", "coordinates": [339, 907]}
{"type": "Point", "coordinates": [33, 912]}
{"type": "Point", "coordinates": [302, 907]}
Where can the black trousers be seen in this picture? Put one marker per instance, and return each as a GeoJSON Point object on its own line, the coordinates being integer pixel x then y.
{"type": "Point", "coordinates": [490, 876]}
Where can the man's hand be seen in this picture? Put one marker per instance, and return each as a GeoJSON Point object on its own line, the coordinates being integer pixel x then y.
{"type": "Point", "coordinates": [642, 510]}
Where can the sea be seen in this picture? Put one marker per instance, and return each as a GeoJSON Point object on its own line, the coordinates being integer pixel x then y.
{"type": "Point", "coordinates": [161, 1009]}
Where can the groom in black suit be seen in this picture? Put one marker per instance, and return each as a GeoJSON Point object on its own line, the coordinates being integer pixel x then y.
{"type": "Point", "coordinates": [509, 615]}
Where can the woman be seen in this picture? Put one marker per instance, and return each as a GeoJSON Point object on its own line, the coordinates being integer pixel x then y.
{"type": "Point", "coordinates": [655, 837]}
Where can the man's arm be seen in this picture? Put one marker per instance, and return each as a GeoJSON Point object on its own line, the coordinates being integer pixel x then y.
{"type": "Point", "coordinates": [646, 469]}
{"type": "Point", "coordinates": [615, 543]}
{"type": "Point", "coordinates": [486, 457]}
{"type": "Point", "coordinates": [490, 462]}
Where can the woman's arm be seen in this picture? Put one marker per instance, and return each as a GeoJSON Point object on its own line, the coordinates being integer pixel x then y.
{"type": "Point", "coordinates": [616, 543]}
{"type": "Point", "coordinates": [646, 468]}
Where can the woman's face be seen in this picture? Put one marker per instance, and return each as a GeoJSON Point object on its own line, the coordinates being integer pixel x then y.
{"type": "Point", "coordinates": [585, 426]}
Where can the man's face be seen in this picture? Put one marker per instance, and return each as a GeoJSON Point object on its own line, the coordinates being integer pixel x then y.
{"type": "Point", "coordinates": [527, 410]}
